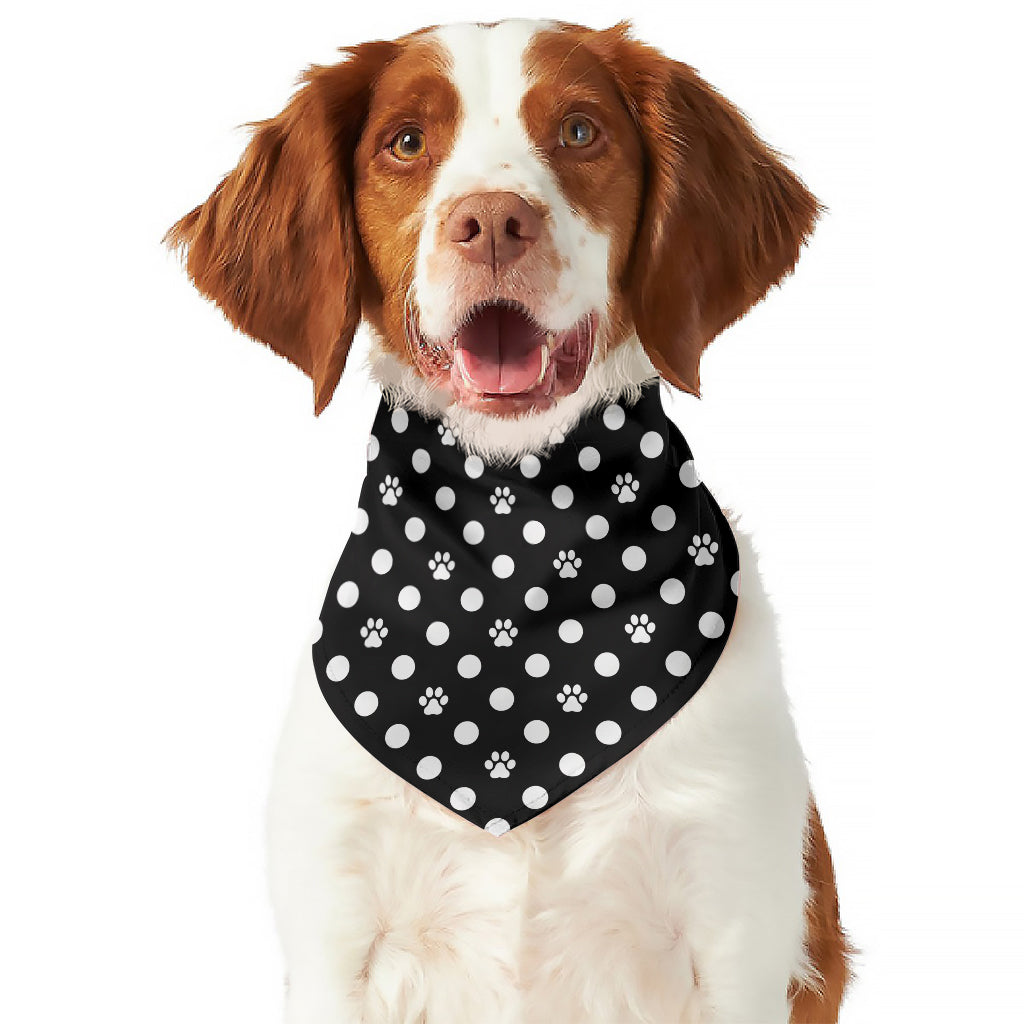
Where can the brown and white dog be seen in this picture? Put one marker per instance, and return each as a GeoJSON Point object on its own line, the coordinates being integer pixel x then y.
{"type": "Point", "coordinates": [608, 213]}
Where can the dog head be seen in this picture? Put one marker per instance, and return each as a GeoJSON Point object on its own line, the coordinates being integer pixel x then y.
{"type": "Point", "coordinates": [510, 207]}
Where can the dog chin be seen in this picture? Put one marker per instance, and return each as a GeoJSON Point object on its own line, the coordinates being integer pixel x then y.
{"type": "Point", "coordinates": [502, 361]}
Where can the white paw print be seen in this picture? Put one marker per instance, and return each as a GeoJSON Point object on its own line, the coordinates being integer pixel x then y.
{"type": "Point", "coordinates": [503, 632]}
{"type": "Point", "coordinates": [390, 490]}
{"type": "Point", "coordinates": [703, 549]}
{"type": "Point", "coordinates": [625, 487]}
{"type": "Point", "coordinates": [572, 698]}
{"type": "Point", "coordinates": [502, 499]}
{"type": "Point", "coordinates": [373, 632]}
{"type": "Point", "coordinates": [640, 629]}
{"type": "Point", "coordinates": [567, 563]}
{"type": "Point", "coordinates": [433, 700]}
{"type": "Point", "coordinates": [449, 431]}
{"type": "Point", "coordinates": [499, 764]}
{"type": "Point", "coordinates": [441, 565]}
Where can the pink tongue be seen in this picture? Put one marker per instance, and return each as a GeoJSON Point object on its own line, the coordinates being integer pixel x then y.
{"type": "Point", "coordinates": [501, 351]}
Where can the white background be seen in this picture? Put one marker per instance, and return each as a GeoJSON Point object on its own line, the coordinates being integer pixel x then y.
{"type": "Point", "coordinates": [172, 510]}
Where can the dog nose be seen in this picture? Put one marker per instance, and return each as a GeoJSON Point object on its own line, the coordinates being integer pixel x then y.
{"type": "Point", "coordinates": [493, 227]}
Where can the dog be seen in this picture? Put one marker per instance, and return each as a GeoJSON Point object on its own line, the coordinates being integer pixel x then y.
{"type": "Point", "coordinates": [619, 213]}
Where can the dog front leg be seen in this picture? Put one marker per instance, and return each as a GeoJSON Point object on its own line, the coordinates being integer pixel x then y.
{"type": "Point", "coordinates": [390, 908]}
{"type": "Point", "coordinates": [315, 887]}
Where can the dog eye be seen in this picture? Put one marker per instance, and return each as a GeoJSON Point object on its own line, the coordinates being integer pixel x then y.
{"type": "Point", "coordinates": [409, 144]}
{"type": "Point", "coordinates": [577, 132]}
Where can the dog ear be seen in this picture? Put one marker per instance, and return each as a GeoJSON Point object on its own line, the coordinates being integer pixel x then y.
{"type": "Point", "coordinates": [275, 245]}
{"type": "Point", "coordinates": [723, 218]}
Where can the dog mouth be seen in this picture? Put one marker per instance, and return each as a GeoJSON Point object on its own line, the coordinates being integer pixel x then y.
{"type": "Point", "coordinates": [501, 358]}
{"type": "Point", "coordinates": [500, 350]}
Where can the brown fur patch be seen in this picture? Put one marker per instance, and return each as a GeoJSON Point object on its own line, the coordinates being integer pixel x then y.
{"type": "Point", "coordinates": [723, 219]}
{"type": "Point", "coordinates": [415, 89]}
{"type": "Point", "coordinates": [603, 182]}
{"type": "Point", "coordinates": [275, 245]}
{"type": "Point", "coordinates": [828, 947]}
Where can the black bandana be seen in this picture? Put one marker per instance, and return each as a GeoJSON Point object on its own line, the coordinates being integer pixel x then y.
{"type": "Point", "coordinates": [499, 636]}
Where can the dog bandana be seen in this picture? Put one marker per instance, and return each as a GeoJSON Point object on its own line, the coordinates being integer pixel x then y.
{"type": "Point", "coordinates": [498, 636]}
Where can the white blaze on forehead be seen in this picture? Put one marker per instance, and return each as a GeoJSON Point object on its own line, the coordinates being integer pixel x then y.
{"type": "Point", "coordinates": [493, 152]}
{"type": "Point", "coordinates": [487, 71]}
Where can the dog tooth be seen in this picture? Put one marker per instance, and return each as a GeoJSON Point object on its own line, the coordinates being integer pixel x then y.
{"type": "Point", "coordinates": [545, 359]}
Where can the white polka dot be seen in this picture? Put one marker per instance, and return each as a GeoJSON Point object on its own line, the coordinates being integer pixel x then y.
{"type": "Point", "coordinates": [537, 665]}
{"type": "Point", "coordinates": [712, 625]}
{"type": "Point", "coordinates": [536, 731]}
{"type": "Point", "coordinates": [643, 698]}
{"type": "Point", "coordinates": [397, 736]}
{"type": "Point", "coordinates": [502, 698]}
{"type": "Point", "coordinates": [473, 532]}
{"type": "Point", "coordinates": [678, 663]}
{"type": "Point", "coordinates": [318, 631]}
{"type": "Point", "coordinates": [337, 668]}
{"type": "Point", "coordinates": [603, 595]}
{"type": "Point", "coordinates": [597, 527]}
{"type": "Point", "coordinates": [408, 598]}
{"type": "Point", "coordinates": [469, 666]}
{"type": "Point", "coordinates": [606, 664]}
{"type": "Point", "coordinates": [571, 764]}
{"type": "Point", "coordinates": [503, 566]}
{"type": "Point", "coordinates": [462, 798]}
{"type": "Point", "coordinates": [734, 583]}
{"type": "Point", "coordinates": [688, 474]}
{"type": "Point", "coordinates": [561, 496]}
{"type": "Point", "coordinates": [614, 417]}
{"type": "Point", "coordinates": [589, 458]}
{"type": "Point", "coordinates": [533, 532]}
{"type": "Point", "coordinates": [372, 448]}
{"type": "Point", "coordinates": [348, 593]}
{"type": "Point", "coordinates": [530, 466]}
{"type": "Point", "coordinates": [429, 767]}
{"type": "Point", "coordinates": [672, 591]}
{"type": "Point", "coordinates": [415, 528]}
{"type": "Point", "coordinates": [472, 600]}
{"type": "Point", "coordinates": [497, 826]}
{"type": "Point", "coordinates": [652, 444]}
{"type": "Point", "coordinates": [535, 797]}
{"type": "Point", "coordinates": [634, 558]}
{"type": "Point", "coordinates": [421, 460]}
{"type": "Point", "coordinates": [570, 631]}
{"type": "Point", "coordinates": [365, 704]}
{"type": "Point", "coordinates": [474, 466]}
{"type": "Point", "coordinates": [399, 420]}
{"type": "Point", "coordinates": [381, 561]}
{"type": "Point", "coordinates": [608, 732]}
{"type": "Point", "coordinates": [403, 666]}
{"type": "Point", "coordinates": [445, 498]}
{"type": "Point", "coordinates": [360, 521]}
{"type": "Point", "coordinates": [437, 633]}
{"type": "Point", "coordinates": [663, 518]}
{"type": "Point", "coordinates": [466, 733]}
{"type": "Point", "coordinates": [536, 599]}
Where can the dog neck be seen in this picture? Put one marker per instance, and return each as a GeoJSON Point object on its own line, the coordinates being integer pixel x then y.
{"type": "Point", "coordinates": [620, 373]}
